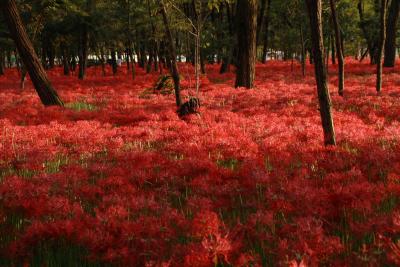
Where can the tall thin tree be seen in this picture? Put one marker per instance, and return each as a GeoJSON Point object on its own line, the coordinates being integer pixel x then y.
{"type": "Point", "coordinates": [338, 45]}
{"type": "Point", "coordinates": [325, 106]}
{"type": "Point", "coordinates": [172, 53]}
{"type": "Point", "coordinates": [381, 48]}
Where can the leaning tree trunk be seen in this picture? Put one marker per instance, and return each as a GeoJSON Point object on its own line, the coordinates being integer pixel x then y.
{"type": "Point", "coordinates": [38, 75]}
{"type": "Point", "coordinates": [247, 48]}
{"type": "Point", "coordinates": [172, 52]}
{"type": "Point", "coordinates": [339, 48]}
{"type": "Point", "coordinates": [390, 44]}
{"type": "Point", "coordinates": [315, 13]}
{"type": "Point", "coordinates": [382, 38]}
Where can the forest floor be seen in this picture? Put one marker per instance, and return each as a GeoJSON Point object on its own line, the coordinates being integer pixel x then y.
{"type": "Point", "coordinates": [117, 177]}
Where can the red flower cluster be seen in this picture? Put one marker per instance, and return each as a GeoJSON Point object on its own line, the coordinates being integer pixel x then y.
{"type": "Point", "coordinates": [117, 177]}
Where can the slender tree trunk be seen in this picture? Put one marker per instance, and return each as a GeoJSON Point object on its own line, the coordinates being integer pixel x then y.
{"type": "Point", "coordinates": [103, 61]}
{"type": "Point", "coordinates": [65, 61]}
{"type": "Point", "coordinates": [333, 51]}
{"type": "Point", "coordinates": [327, 53]}
{"type": "Point", "coordinates": [51, 54]}
{"type": "Point", "coordinates": [43, 53]}
{"type": "Point", "coordinates": [382, 38]}
{"type": "Point", "coordinates": [303, 52]}
{"type": "Point", "coordinates": [114, 62]}
{"type": "Point", "coordinates": [247, 48]}
{"type": "Point", "coordinates": [133, 67]}
{"type": "Point", "coordinates": [315, 13]}
{"type": "Point", "coordinates": [339, 48]}
{"type": "Point", "coordinates": [83, 47]}
{"type": "Point", "coordinates": [128, 64]}
{"type": "Point", "coordinates": [369, 39]}
{"type": "Point", "coordinates": [266, 34]}
{"type": "Point", "coordinates": [172, 52]}
{"type": "Point", "coordinates": [260, 19]}
{"type": "Point", "coordinates": [390, 44]}
{"type": "Point", "coordinates": [38, 75]}
{"type": "Point", "coordinates": [2, 59]}
{"type": "Point", "coordinates": [227, 60]}
{"type": "Point", "coordinates": [150, 61]}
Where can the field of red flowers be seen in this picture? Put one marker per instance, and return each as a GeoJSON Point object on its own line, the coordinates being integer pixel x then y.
{"type": "Point", "coordinates": [117, 178]}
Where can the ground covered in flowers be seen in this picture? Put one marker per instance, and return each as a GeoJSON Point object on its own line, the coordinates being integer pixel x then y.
{"type": "Point", "coordinates": [116, 178]}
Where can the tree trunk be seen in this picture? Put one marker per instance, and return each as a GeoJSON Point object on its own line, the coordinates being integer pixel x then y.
{"type": "Point", "coordinates": [260, 19]}
{"type": "Point", "coordinates": [172, 52]}
{"type": "Point", "coordinates": [2, 59]}
{"type": "Point", "coordinates": [266, 34]}
{"type": "Point", "coordinates": [65, 59]}
{"type": "Point", "coordinates": [38, 75]}
{"type": "Point", "coordinates": [128, 63]}
{"type": "Point", "coordinates": [339, 48]}
{"type": "Point", "coordinates": [390, 44]}
{"type": "Point", "coordinates": [315, 13]}
{"type": "Point", "coordinates": [333, 51]}
{"type": "Point", "coordinates": [114, 62]}
{"type": "Point", "coordinates": [247, 48]}
{"type": "Point", "coordinates": [227, 60]}
{"type": "Point", "coordinates": [303, 52]}
{"type": "Point", "coordinates": [382, 38]}
{"type": "Point", "coordinates": [83, 47]}
{"type": "Point", "coordinates": [372, 47]}
{"type": "Point", "coordinates": [50, 54]}
{"type": "Point", "coordinates": [133, 67]}
{"type": "Point", "coordinates": [103, 61]}
{"type": "Point", "coordinates": [327, 54]}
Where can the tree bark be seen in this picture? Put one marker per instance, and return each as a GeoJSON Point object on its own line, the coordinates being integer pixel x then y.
{"type": "Point", "coordinates": [315, 13]}
{"type": "Point", "coordinates": [382, 38]}
{"type": "Point", "coordinates": [38, 75]}
{"type": "Point", "coordinates": [390, 44]}
{"type": "Point", "coordinates": [172, 52]}
{"type": "Point", "coordinates": [339, 48]}
{"type": "Point", "coordinates": [247, 48]}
